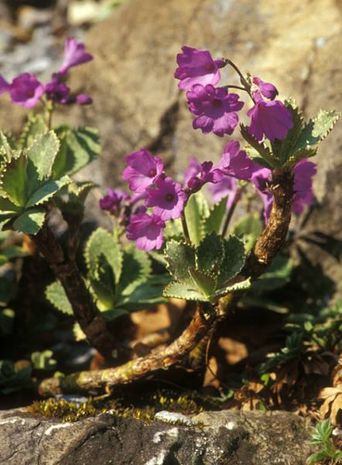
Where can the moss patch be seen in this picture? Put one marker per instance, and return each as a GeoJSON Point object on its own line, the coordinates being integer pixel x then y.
{"type": "Point", "coordinates": [122, 406]}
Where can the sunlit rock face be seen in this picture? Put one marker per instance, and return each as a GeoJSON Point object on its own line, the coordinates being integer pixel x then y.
{"type": "Point", "coordinates": [207, 439]}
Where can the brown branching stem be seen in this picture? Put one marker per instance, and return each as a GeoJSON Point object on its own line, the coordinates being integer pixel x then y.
{"type": "Point", "coordinates": [67, 272]}
{"type": "Point", "coordinates": [269, 243]}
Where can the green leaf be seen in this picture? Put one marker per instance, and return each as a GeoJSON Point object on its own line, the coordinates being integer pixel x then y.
{"type": "Point", "coordinates": [43, 360]}
{"type": "Point", "coordinates": [78, 148]}
{"type": "Point", "coordinates": [233, 261]}
{"type": "Point", "coordinates": [264, 155]}
{"type": "Point", "coordinates": [240, 286]}
{"type": "Point", "coordinates": [183, 291]}
{"type": "Point", "coordinates": [78, 333]}
{"type": "Point", "coordinates": [136, 270]}
{"type": "Point", "coordinates": [214, 221]}
{"type": "Point", "coordinates": [248, 229]}
{"type": "Point", "coordinates": [196, 211]}
{"type": "Point", "coordinates": [14, 182]}
{"type": "Point", "coordinates": [7, 207]}
{"type": "Point", "coordinates": [47, 191]}
{"type": "Point", "coordinates": [210, 254]}
{"type": "Point", "coordinates": [146, 295]}
{"type": "Point", "coordinates": [30, 221]}
{"type": "Point", "coordinates": [56, 295]}
{"type": "Point", "coordinates": [277, 276]}
{"type": "Point", "coordinates": [302, 140]}
{"type": "Point", "coordinates": [33, 129]}
{"type": "Point", "coordinates": [205, 282]}
{"type": "Point", "coordinates": [6, 151]}
{"type": "Point", "coordinates": [180, 257]}
{"type": "Point", "coordinates": [102, 243]}
{"type": "Point", "coordinates": [42, 153]}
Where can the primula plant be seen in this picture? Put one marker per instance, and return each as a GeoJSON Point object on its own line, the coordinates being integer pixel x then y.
{"type": "Point", "coordinates": [171, 237]}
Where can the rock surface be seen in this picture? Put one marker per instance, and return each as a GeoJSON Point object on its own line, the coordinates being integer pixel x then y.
{"type": "Point", "coordinates": [214, 438]}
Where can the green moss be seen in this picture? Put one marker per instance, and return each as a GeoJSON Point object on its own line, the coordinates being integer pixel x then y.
{"type": "Point", "coordinates": [123, 406]}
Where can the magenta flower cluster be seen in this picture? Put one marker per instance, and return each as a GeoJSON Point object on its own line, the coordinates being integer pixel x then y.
{"type": "Point", "coordinates": [216, 109]}
{"type": "Point", "coordinates": [26, 90]}
{"type": "Point", "coordinates": [156, 198]}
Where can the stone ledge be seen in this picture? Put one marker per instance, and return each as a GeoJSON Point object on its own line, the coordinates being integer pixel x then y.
{"type": "Point", "coordinates": [210, 438]}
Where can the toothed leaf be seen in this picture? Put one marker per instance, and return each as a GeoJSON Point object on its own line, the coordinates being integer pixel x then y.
{"type": "Point", "coordinates": [78, 148]}
{"type": "Point", "coordinates": [210, 254]}
{"type": "Point", "coordinates": [241, 286]}
{"type": "Point", "coordinates": [47, 191]}
{"type": "Point", "coordinates": [14, 182]}
{"type": "Point", "coordinates": [205, 282]}
{"type": "Point", "coordinates": [183, 291]}
{"type": "Point", "coordinates": [42, 153]}
{"type": "Point", "coordinates": [180, 257]}
{"type": "Point", "coordinates": [136, 270]}
{"type": "Point", "coordinates": [233, 261]}
{"type": "Point", "coordinates": [30, 221]}
{"type": "Point", "coordinates": [34, 128]}
{"type": "Point", "coordinates": [103, 244]}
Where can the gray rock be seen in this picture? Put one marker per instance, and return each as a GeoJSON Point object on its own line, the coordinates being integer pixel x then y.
{"type": "Point", "coordinates": [212, 438]}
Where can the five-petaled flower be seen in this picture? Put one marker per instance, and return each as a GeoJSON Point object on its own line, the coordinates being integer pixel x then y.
{"type": "Point", "coordinates": [146, 230]}
{"type": "Point", "coordinates": [215, 109]}
{"type": "Point", "coordinates": [197, 66]}
{"type": "Point", "coordinates": [25, 89]}
{"type": "Point", "coordinates": [166, 197]}
{"type": "Point", "coordinates": [142, 169]}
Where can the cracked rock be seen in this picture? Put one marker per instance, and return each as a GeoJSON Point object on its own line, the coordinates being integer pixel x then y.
{"type": "Point", "coordinates": [215, 438]}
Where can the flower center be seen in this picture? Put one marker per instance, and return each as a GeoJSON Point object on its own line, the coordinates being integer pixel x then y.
{"type": "Point", "coordinates": [210, 67]}
{"type": "Point", "coordinates": [30, 93]}
{"type": "Point", "coordinates": [217, 103]}
{"type": "Point", "coordinates": [169, 197]}
{"type": "Point", "coordinates": [152, 172]}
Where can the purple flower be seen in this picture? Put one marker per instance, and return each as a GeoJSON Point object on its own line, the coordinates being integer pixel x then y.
{"type": "Point", "coordinates": [271, 119]}
{"type": "Point", "coordinates": [197, 174]}
{"type": "Point", "coordinates": [215, 109]}
{"type": "Point", "coordinates": [197, 67]}
{"type": "Point", "coordinates": [25, 90]}
{"type": "Point", "coordinates": [113, 200]}
{"type": "Point", "coordinates": [83, 99]}
{"type": "Point", "coordinates": [57, 91]}
{"type": "Point", "coordinates": [167, 198]}
{"type": "Point", "coordinates": [236, 163]}
{"type": "Point", "coordinates": [304, 171]}
{"type": "Point", "coordinates": [303, 195]}
{"type": "Point", "coordinates": [226, 187]}
{"type": "Point", "coordinates": [74, 54]}
{"type": "Point", "coordinates": [146, 230]}
{"type": "Point", "coordinates": [262, 181]}
{"type": "Point", "coordinates": [143, 168]}
{"type": "Point", "coordinates": [267, 89]}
